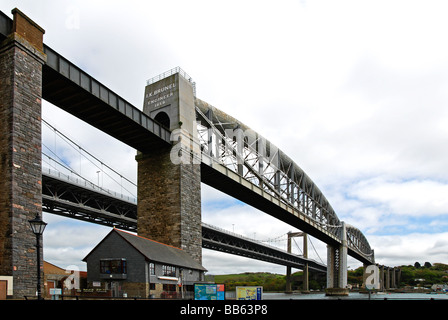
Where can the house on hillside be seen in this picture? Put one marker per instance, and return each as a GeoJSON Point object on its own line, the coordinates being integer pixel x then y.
{"type": "Point", "coordinates": [134, 266]}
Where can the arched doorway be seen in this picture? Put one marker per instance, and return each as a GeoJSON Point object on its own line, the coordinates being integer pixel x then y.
{"type": "Point", "coordinates": [163, 119]}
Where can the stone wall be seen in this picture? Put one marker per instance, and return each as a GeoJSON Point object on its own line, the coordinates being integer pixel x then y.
{"type": "Point", "coordinates": [169, 184]}
{"type": "Point", "coordinates": [169, 206]}
{"type": "Point", "coordinates": [20, 151]}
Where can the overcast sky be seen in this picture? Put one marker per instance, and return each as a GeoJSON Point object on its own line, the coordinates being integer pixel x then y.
{"type": "Point", "coordinates": [354, 91]}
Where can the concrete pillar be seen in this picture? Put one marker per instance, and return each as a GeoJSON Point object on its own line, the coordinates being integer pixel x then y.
{"type": "Point", "coordinates": [337, 267]}
{"type": "Point", "coordinates": [394, 279]}
{"type": "Point", "coordinates": [305, 286]}
{"type": "Point", "coordinates": [169, 179]}
{"type": "Point", "coordinates": [387, 284]}
{"type": "Point", "coordinates": [288, 268]}
{"type": "Point", "coordinates": [21, 60]}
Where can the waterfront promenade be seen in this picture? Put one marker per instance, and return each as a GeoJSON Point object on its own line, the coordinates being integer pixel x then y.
{"type": "Point", "coordinates": [357, 296]}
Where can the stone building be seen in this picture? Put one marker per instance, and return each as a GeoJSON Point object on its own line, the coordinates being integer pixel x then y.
{"type": "Point", "coordinates": [134, 266]}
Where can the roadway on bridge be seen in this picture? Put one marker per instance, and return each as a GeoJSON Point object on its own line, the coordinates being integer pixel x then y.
{"type": "Point", "coordinates": [79, 199]}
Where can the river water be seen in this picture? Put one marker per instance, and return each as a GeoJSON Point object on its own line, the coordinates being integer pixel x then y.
{"type": "Point", "coordinates": [355, 296]}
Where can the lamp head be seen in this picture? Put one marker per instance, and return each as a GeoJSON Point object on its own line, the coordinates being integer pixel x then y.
{"type": "Point", "coordinates": [37, 225]}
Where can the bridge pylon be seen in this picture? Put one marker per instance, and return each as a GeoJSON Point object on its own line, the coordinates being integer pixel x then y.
{"type": "Point", "coordinates": [337, 267]}
{"type": "Point", "coordinates": [169, 179]}
{"type": "Point", "coordinates": [21, 63]}
{"type": "Point", "coordinates": [305, 277]}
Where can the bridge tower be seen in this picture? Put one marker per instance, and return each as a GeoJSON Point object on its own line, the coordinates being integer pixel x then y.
{"type": "Point", "coordinates": [169, 179]}
{"type": "Point", "coordinates": [337, 267]}
{"type": "Point", "coordinates": [305, 287]}
{"type": "Point", "coordinates": [21, 62]}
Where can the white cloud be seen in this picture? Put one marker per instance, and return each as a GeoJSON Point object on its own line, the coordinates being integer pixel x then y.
{"type": "Point", "coordinates": [411, 198]}
{"type": "Point", "coordinates": [407, 249]}
{"type": "Point", "coordinates": [67, 241]}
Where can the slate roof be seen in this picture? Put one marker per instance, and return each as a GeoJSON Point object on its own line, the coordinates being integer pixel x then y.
{"type": "Point", "coordinates": [158, 252]}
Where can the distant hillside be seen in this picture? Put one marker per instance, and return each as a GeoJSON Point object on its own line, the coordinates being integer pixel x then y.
{"type": "Point", "coordinates": [415, 275]}
{"type": "Point", "coordinates": [411, 275]}
{"type": "Point", "coordinates": [269, 281]}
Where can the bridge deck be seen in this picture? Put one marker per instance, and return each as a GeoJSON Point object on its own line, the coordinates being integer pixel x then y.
{"type": "Point", "coordinates": [73, 90]}
{"type": "Point", "coordinates": [63, 196]}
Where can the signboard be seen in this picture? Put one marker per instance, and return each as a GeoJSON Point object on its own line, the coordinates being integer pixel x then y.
{"type": "Point", "coordinates": [55, 291]}
{"type": "Point", "coordinates": [209, 291]}
{"type": "Point", "coordinates": [221, 292]}
{"type": "Point", "coordinates": [249, 293]}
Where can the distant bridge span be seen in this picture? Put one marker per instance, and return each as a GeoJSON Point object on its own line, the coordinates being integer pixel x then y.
{"type": "Point", "coordinates": [79, 199]}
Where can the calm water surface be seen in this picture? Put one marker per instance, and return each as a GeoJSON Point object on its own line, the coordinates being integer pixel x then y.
{"type": "Point", "coordinates": [356, 296]}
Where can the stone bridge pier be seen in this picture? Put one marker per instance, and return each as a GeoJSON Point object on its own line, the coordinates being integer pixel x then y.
{"type": "Point", "coordinates": [169, 179]}
{"type": "Point", "coordinates": [337, 267]}
{"type": "Point", "coordinates": [389, 278]}
{"type": "Point", "coordinates": [21, 63]}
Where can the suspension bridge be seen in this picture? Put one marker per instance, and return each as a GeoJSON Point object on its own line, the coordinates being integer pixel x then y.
{"type": "Point", "coordinates": [68, 193]}
{"type": "Point", "coordinates": [180, 142]}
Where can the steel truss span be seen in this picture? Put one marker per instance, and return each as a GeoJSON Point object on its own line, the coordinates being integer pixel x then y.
{"type": "Point", "coordinates": [239, 153]}
{"type": "Point", "coordinates": [65, 196]}
{"type": "Point", "coordinates": [220, 240]}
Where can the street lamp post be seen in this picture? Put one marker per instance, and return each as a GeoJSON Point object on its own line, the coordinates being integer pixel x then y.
{"type": "Point", "coordinates": [38, 227]}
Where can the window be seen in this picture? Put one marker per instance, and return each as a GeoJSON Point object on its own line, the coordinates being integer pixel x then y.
{"type": "Point", "coordinates": [169, 287]}
{"type": "Point", "coordinates": [152, 269]}
{"type": "Point", "coordinates": [169, 271]}
{"type": "Point", "coordinates": [113, 266]}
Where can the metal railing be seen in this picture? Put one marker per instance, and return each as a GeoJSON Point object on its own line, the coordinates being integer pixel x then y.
{"type": "Point", "coordinates": [168, 73]}
{"type": "Point", "coordinates": [82, 182]}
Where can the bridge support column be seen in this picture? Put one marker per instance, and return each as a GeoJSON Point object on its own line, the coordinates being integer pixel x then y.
{"type": "Point", "coordinates": [21, 60]}
{"type": "Point", "coordinates": [382, 279]}
{"type": "Point", "coordinates": [305, 286]}
{"type": "Point", "coordinates": [387, 284]}
{"type": "Point", "coordinates": [169, 179]}
{"type": "Point", "coordinates": [337, 267]}
{"type": "Point", "coordinates": [394, 279]}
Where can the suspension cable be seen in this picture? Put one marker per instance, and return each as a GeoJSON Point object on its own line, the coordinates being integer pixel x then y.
{"type": "Point", "coordinates": [72, 144]}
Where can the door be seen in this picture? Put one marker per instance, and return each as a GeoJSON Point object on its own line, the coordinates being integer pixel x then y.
{"type": "Point", "coordinates": [50, 285]}
{"type": "Point", "coordinates": [3, 289]}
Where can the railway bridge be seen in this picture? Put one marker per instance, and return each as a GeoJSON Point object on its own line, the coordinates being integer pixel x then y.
{"type": "Point", "coordinates": [181, 142]}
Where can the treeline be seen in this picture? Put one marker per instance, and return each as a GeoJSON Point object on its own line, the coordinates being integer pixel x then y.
{"type": "Point", "coordinates": [425, 275]}
{"type": "Point", "coordinates": [411, 275]}
{"type": "Point", "coordinates": [271, 282]}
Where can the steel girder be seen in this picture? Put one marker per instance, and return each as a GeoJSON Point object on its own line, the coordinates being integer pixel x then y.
{"type": "Point", "coordinates": [220, 240]}
{"type": "Point", "coordinates": [63, 196]}
{"type": "Point", "coordinates": [82, 201]}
